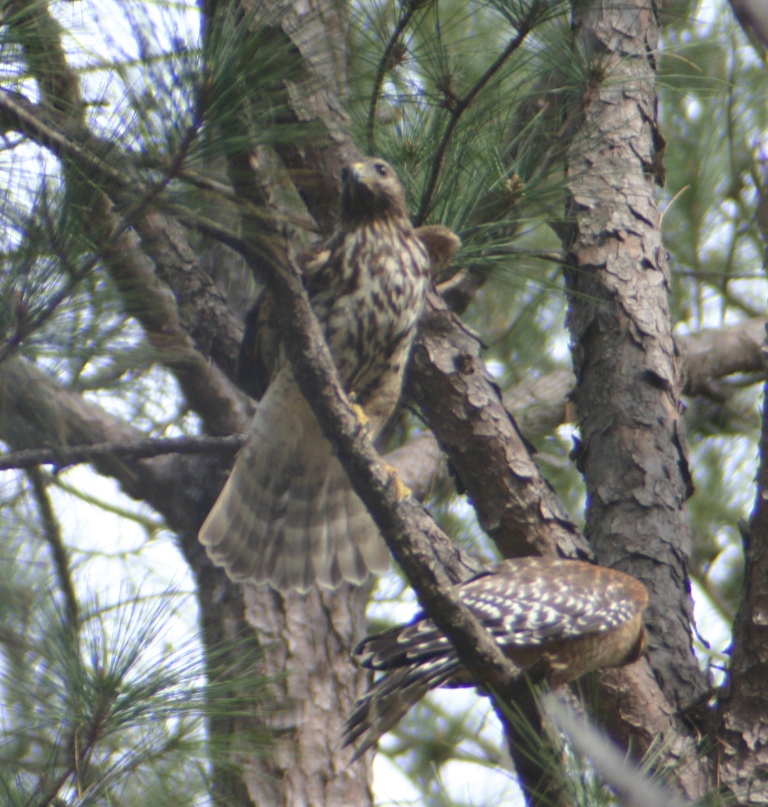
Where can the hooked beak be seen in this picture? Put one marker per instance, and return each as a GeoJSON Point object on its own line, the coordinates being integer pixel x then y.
{"type": "Point", "coordinates": [357, 171]}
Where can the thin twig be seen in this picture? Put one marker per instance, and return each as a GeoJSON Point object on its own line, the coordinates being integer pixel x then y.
{"type": "Point", "coordinates": [47, 311]}
{"type": "Point", "coordinates": [64, 456]}
{"type": "Point", "coordinates": [21, 114]}
{"type": "Point", "coordinates": [53, 537]}
{"type": "Point", "coordinates": [381, 70]}
{"type": "Point", "coordinates": [461, 106]}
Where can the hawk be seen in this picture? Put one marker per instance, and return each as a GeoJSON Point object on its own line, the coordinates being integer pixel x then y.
{"type": "Point", "coordinates": [288, 515]}
{"type": "Point", "coordinates": [565, 616]}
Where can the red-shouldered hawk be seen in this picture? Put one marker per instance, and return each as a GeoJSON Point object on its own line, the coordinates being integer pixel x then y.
{"type": "Point", "coordinates": [571, 615]}
{"type": "Point", "coordinates": [288, 514]}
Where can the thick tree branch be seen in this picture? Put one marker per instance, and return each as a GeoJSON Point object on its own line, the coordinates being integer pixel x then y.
{"type": "Point", "coordinates": [706, 357]}
{"type": "Point", "coordinates": [515, 505]}
{"type": "Point", "coordinates": [633, 453]}
{"type": "Point", "coordinates": [713, 354]}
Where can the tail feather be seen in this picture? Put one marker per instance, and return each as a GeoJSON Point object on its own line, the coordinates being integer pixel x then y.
{"type": "Point", "coordinates": [390, 698]}
{"type": "Point", "coordinates": [360, 522]}
{"type": "Point", "coordinates": [347, 550]}
{"type": "Point", "coordinates": [288, 514]}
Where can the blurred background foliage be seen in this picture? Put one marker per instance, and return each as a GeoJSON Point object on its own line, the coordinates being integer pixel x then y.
{"type": "Point", "coordinates": [479, 142]}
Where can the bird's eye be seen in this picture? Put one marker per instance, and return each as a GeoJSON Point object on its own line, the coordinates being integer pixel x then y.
{"type": "Point", "coordinates": [381, 169]}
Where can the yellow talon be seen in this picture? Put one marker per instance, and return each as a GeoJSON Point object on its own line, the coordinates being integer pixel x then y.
{"type": "Point", "coordinates": [362, 418]}
{"type": "Point", "coordinates": [401, 489]}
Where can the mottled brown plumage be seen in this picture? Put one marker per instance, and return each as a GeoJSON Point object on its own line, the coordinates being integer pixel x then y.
{"type": "Point", "coordinates": [564, 616]}
{"type": "Point", "coordinates": [288, 515]}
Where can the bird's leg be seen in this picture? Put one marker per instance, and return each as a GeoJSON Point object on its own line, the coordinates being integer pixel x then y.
{"type": "Point", "coordinates": [401, 489]}
{"type": "Point", "coordinates": [362, 418]}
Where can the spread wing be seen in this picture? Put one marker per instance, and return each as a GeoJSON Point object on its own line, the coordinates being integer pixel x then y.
{"type": "Point", "coordinates": [288, 514]}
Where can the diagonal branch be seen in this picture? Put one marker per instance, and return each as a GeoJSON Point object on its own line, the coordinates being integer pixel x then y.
{"type": "Point", "coordinates": [164, 245]}
{"type": "Point", "coordinates": [53, 537]}
{"type": "Point", "coordinates": [515, 505]}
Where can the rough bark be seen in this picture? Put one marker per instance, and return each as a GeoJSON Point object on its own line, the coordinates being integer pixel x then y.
{"type": "Point", "coordinates": [743, 751]}
{"type": "Point", "coordinates": [633, 448]}
{"type": "Point", "coordinates": [306, 640]}
{"type": "Point", "coordinates": [514, 503]}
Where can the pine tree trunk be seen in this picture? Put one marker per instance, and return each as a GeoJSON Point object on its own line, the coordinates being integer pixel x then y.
{"type": "Point", "coordinates": [632, 451]}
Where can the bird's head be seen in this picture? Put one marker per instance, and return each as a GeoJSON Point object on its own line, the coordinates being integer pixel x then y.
{"type": "Point", "coordinates": [371, 191]}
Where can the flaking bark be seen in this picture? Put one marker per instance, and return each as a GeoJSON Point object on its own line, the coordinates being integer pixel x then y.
{"type": "Point", "coordinates": [632, 453]}
{"type": "Point", "coordinates": [515, 504]}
